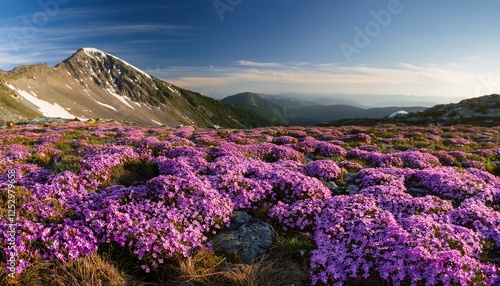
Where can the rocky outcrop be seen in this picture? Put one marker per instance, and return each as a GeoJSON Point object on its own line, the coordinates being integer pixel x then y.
{"type": "Point", "coordinates": [484, 110]}
{"type": "Point", "coordinates": [245, 240]}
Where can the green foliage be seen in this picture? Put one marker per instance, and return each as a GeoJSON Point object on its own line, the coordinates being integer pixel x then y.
{"type": "Point", "coordinates": [385, 134]}
{"type": "Point", "coordinates": [255, 103]}
{"type": "Point", "coordinates": [491, 252]}
{"type": "Point", "coordinates": [492, 167]}
{"type": "Point", "coordinates": [131, 173]}
{"type": "Point", "coordinates": [71, 135]}
{"type": "Point", "coordinates": [8, 101]}
{"type": "Point", "coordinates": [223, 114]}
{"type": "Point", "coordinates": [421, 144]}
{"type": "Point", "coordinates": [67, 162]}
{"type": "Point", "coordinates": [63, 146]}
{"type": "Point", "coordinates": [296, 248]}
{"type": "Point", "coordinates": [22, 196]}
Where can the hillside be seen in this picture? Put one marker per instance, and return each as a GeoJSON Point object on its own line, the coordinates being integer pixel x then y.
{"type": "Point", "coordinates": [479, 111]}
{"type": "Point", "coordinates": [296, 112]}
{"type": "Point", "coordinates": [320, 114]}
{"type": "Point", "coordinates": [256, 103]}
{"type": "Point", "coordinates": [95, 84]}
{"type": "Point", "coordinates": [484, 110]}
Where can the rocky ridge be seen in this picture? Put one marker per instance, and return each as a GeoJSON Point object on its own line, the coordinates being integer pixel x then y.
{"type": "Point", "coordinates": [95, 84]}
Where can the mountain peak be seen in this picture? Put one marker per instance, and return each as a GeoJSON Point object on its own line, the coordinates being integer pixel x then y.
{"type": "Point", "coordinates": [104, 56]}
{"type": "Point", "coordinates": [89, 52]}
{"type": "Point", "coordinates": [95, 84]}
{"type": "Point", "coordinates": [92, 51]}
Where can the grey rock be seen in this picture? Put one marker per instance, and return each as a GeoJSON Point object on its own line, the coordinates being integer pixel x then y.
{"type": "Point", "coordinates": [484, 140]}
{"type": "Point", "coordinates": [331, 185]}
{"type": "Point", "coordinates": [309, 157]}
{"type": "Point", "coordinates": [352, 189]}
{"type": "Point", "coordinates": [418, 192]}
{"type": "Point", "coordinates": [412, 119]}
{"type": "Point", "coordinates": [340, 191]}
{"type": "Point", "coordinates": [350, 178]}
{"type": "Point", "coordinates": [246, 239]}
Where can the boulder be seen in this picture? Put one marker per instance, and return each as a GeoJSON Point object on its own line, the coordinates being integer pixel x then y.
{"type": "Point", "coordinates": [245, 240]}
{"type": "Point", "coordinates": [485, 140]}
{"type": "Point", "coordinates": [351, 178]}
{"type": "Point", "coordinates": [416, 190]}
{"type": "Point", "coordinates": [309, 157]}
{"type": "Point", "coordinates": [419, 192]}
{"type": "Point", "coordinates": [352, 189]}
{"type": "Point", "coordinates": [331, 185]}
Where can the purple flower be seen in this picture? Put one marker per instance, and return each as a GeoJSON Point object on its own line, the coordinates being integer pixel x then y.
{"type": "Point", "coordinates": [418, 160]}
{"type": "Point", "coordinates": [323, 169]}
{"type": "Point", "coordinates": [330, 150]}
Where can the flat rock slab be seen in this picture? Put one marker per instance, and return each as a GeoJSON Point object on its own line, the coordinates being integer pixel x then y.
{"type": "Point", "coordinates": [246, 239]}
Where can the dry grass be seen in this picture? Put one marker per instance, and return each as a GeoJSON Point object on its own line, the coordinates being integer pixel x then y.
{"type": "Point", "coordinates": [94, 270]}
{"type": "Point", "coordinates": [268, 273]}
{"type": "Point", "coordinates": [30, 276]}
{"type": "Point", "coordinates": [206, 268]}
{"type": "Point", "coordinates": [202, 268]}
{"type": "Point", "coordinates": [282, 266]}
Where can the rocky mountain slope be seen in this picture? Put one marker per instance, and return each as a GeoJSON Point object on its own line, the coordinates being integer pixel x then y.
{"type": "Point", "coordinates": [95, 84]}
{"type": "Point", "coordinates": [479, 110]}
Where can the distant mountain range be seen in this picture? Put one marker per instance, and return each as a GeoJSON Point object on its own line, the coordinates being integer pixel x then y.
{"type": "Point", "coordinates": [359, 100]}
{"type": "Point", "coordinates": [299, 112]}
{"type": "Point", "coordinates": [93, 84]}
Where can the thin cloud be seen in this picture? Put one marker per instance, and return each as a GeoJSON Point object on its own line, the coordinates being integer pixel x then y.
{"type": "Point", "coordinates": [94, 30]}
{"type": "Point", "coordinates": [257, 64]}
{"type": "Point", "coordinates": [200, 81]}
{"type": "Point", "coordinates": [83, 26]}
{"type": "Point", "coordinates": [402, 78]}
{"type": "Point", "coordinates": [50, 44]}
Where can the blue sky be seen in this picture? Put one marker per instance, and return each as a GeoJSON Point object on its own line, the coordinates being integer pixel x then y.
{"type": "Point", "coordinates": [446, 48]}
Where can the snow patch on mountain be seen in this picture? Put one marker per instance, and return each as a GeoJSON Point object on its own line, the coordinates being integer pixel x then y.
{"type": "Point", "coordinates": [46, 108]}
{"type": "Point", "coordinates": [106, 105]}
{"type": "Point", "coordinates": [398, 113]}
{"type": "Point", "coordinates": [119, 97]}
{"type": "Point", "coordinates": [173, 90]}
{"type": "Point", "coordinates": [93, 51]}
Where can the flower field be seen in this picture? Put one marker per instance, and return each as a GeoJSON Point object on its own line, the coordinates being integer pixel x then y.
{"type": "Point", "coordinates": [391, 204]}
